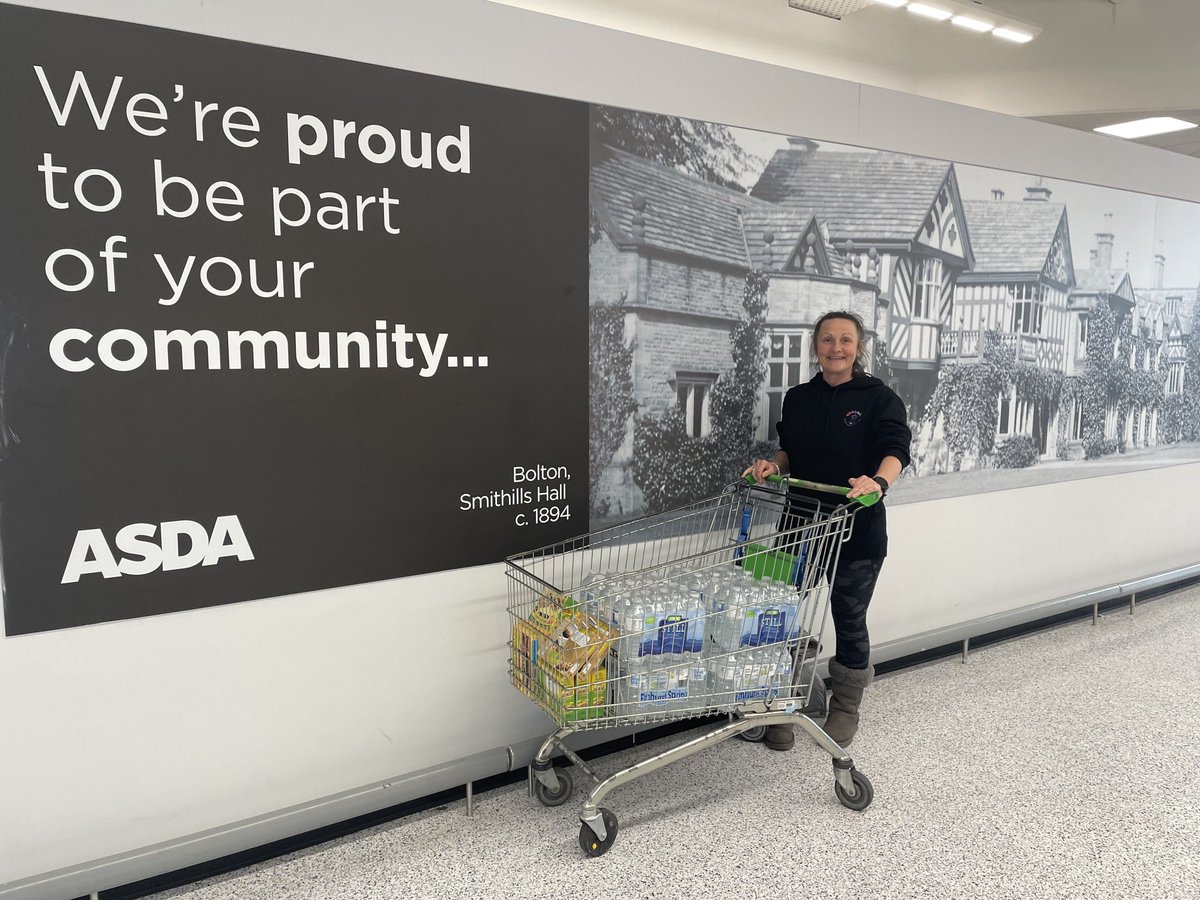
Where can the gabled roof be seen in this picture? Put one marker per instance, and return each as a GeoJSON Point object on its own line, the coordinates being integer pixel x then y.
{"type": "Point", "coordinates": [864, 196]}
{"type": "Point", "coordinates": [1103, 281]}
{"type": "Point", "coordinates": [687, 215]}
{"type": "Point", "coordinates": [1182, 320]}
{"type": "Point", "coordinates": [1179, 325]}
{"type": "Point", "coordinates": [1012, 236]}
{"type": "Point", "coordinates": [683, 214]}
{"type": "Point", "coordinates": [1160, 296]}
{"type": "Point", "coordinates": [787, 226]}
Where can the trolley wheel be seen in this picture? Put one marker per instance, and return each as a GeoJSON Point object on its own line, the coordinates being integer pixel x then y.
{"type": "Point", "coordinates": [592, 845]}
{"type": "Point", "coordinates": [556, 796]}
{"type": "Point", "coordinates": [754, 735]}
{"type": "Point", "coordinates": [862, 797]}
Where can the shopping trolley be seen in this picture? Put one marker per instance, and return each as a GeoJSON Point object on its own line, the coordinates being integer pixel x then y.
{"type": "Point", "coordinates": [711, 608]}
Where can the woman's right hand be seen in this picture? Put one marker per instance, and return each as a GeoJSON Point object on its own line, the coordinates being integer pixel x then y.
{"type": "Point", "coordinates": [760, 469]}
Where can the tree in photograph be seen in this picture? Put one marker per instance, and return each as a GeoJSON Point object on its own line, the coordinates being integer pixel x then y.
{"type": "Point", "coordinates": [967, 400]}
{"type": "Point", "coordinates": [1140, 389]}
{"type": "Point", "coordinates": [1101, 384]}
{"type": "Point", "coordinates": [881, 366]}
{"type": "Point", "coordinates": [670, 466]}
{"type": "Point", "coordinates": [704, 149]}
{"type": "Point", "coordinates": [610, 388]}
{"type": "Point", "coordinates": [1068, 399]}
{"type": "Point", "coordinates": [736, 394]}
{"type": "Point", "coordinates": [1180, 417]}
{"type": "Point", "coordinates": [1191, 378]}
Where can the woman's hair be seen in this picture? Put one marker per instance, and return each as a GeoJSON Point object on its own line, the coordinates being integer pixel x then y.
{"type": "Point", "coordinates": [858, 326]}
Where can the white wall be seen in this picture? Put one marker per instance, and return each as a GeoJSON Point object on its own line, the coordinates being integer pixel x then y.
{"type": "Point", "coordinates": [123, 735]}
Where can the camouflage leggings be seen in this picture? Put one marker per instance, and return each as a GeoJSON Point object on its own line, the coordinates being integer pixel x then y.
{"type": "Point", "coordinates": [853, 585]}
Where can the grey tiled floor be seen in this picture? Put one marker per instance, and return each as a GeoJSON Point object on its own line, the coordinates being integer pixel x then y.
{"type": "Point", "coordinates": [1063, 764]}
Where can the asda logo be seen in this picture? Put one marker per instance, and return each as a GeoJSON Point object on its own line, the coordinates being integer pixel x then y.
{"type": "Point", "coordinates": [142, 548]}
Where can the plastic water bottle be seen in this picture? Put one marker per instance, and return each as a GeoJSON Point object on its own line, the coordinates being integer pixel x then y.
{"type": "Point", "coordinates": [725, 680]}
{"type": "Point", "coordinates": [697, 612]}
{"type": "Point", "coordinates": [784, 672]}
{"type": "Point", "coordinates": [589, 594]}
{"type": "Point", "coordinates": [724, 612]}
{"type": "Point", "coordinates": [631, 647]}
{"type": "Point", "coordinates": [654, 693]}
{"type": "Point", "coordinates": [676, 599]}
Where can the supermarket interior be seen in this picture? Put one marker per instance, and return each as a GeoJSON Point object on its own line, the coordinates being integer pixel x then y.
{"type": "Point", "coordinates": [565, 267]}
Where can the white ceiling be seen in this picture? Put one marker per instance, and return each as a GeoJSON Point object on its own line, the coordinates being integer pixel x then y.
{"type": "Point", "coordinates": [1095, 62]}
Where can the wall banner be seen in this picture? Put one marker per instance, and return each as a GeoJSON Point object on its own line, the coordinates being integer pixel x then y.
{"type": "Point", "coordinates": [272, 322]}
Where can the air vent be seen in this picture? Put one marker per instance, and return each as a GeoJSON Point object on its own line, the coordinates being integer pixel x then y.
{"type": "Point", "coordinates": [833, 9]}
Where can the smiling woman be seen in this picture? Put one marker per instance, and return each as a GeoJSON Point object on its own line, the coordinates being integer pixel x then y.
{"type": "Point", "coordinates": [838, 344]}
{"type": "Point", "coordinates": [834, 430]}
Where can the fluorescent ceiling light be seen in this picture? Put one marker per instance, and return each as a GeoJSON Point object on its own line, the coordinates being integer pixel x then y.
{"type": "Point", "coordinates": [1140, 128]}
{"type": "Point", "coordinates": [971, 15]}
{"type": "Point", "coordinates": [930, 12]}
{"type": "Point", "coordinates": [972, 23]}
{"type": "Point", "coordinates": [1012, 34]}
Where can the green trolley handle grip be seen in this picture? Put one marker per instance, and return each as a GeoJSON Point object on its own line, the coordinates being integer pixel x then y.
{"type": "Point", "coordinates": [865, 499]}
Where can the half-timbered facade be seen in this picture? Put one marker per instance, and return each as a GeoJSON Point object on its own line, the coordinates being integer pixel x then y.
{"type": "Point", "coordinates": [808, 277]}
{"type": "Point", "coordinates": [901, 215]}
{"type": "Point", "coordinates": [674, 251]}
{"type": "Point", "coordinates": [1018, 289]}
{"type": "Point", "coordinates": [1162, 320]}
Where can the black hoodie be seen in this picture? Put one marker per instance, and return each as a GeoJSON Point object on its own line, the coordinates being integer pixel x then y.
{"type": "Point", "coordinates": [833, 434]}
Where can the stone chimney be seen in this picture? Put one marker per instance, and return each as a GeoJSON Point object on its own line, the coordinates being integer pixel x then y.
{"type": "Point", "coordinates": [1160, 265]}
{"type": "Point", "coordinates": [639, 217]}
{"type": "Point", "coordinates": [997, 194]}
{"type": "Point", "coordinates": [1104, 245]}
{"type": "Point", "coordinates": [1038, 192]}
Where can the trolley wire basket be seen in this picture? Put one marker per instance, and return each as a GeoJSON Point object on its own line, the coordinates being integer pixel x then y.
{"type": "Point", "coordinates": [713, 607]}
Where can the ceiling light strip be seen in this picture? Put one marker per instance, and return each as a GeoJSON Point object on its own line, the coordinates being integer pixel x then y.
{"type": "Point", "coordinates": [1140, 128]}
{"type": "Point", "coordinates": [1012, 34]}
{"type": "Point", "coordinates": [972, 24]}
{"type": "Point", "coordinates": [971, 16]}
{"type": "Point", "coordinates": [930, 12]}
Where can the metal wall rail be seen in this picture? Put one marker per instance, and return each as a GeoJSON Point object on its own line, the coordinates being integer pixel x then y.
{"type": "Point", "coordinates": [1030, 615]}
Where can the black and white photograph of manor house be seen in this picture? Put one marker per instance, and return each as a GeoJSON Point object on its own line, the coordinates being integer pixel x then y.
{"type": "Point", "coordinates": [1036, 329]}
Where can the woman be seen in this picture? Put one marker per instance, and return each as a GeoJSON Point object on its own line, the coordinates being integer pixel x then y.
{"type": "Point", "coordinates": [843, 427]}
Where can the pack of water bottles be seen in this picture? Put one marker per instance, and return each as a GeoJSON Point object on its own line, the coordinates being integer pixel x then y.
{"type": "Point", "coordinates": [696, 640]}
{"type": "Point", "coordinates": [709, 607]}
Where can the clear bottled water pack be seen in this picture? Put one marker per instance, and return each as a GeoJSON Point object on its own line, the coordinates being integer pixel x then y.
{"type": "Point", "coordinates": [695, 640]}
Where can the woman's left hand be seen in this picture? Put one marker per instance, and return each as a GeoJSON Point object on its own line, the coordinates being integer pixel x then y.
{"type": "Point", "coordinates": [863, 485]}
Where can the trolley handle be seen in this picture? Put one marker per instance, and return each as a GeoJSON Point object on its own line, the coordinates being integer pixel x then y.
{"type": "Point", "coordinates": [863, 499]}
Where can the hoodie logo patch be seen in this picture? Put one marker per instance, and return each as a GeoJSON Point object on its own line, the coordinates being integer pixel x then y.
{"type": "Point", "coordinates": [852, 418]}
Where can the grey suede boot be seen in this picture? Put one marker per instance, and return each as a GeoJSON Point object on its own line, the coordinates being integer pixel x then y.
{"type": "Point", "coordinates": [847, 694]}
{"type": "Point", "coordinates": [781, 737]}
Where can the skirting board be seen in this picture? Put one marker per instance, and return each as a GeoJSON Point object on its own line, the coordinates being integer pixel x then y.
{"type": "Point", "coordinates": [170, 856]}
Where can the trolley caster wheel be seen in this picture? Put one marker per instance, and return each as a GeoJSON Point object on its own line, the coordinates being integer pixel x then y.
{"type": "Point", "coordinates": [592, 845]}
{"type": "Point", "coordinates": [863, 795]}
{"type": "Point", "coordinates": [754, 735]}
{"type": "Point", "coordinates": [555, 796]}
